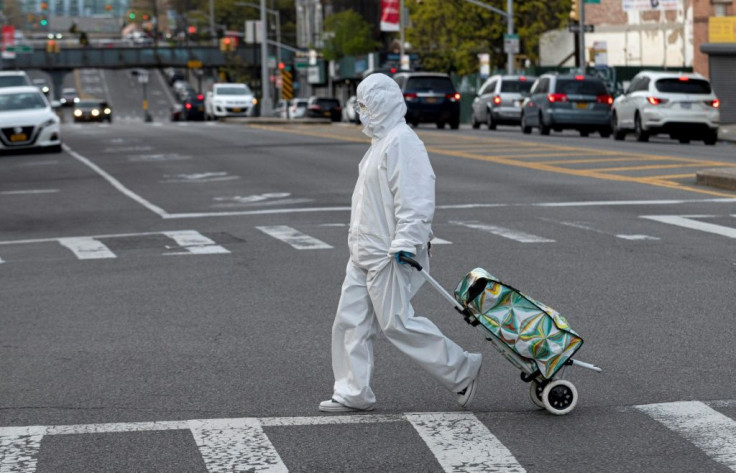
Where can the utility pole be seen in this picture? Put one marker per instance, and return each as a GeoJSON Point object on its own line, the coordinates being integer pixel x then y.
{"type": "Point", "coordinates": [581, 36]}
{"type": "Point", "coordinates": [401, 34]}
{"type": "Point", "coordinates": [265, 84]}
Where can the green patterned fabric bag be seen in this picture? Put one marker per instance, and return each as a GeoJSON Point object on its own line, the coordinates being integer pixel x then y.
{"type": "Point", "coordinates": [531, 329]}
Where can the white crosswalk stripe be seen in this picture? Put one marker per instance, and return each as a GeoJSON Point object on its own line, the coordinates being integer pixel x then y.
{"type": "Point", "coordinates": [294, 237]}
{"type": "Point", "coordinates": [708, 429]}
{"type": "Point", "coordinates": [521, 237]}
{"type": "Point", "coordinates": [87, 248]}
{"type": "Point", "coordinates": [694, 222]}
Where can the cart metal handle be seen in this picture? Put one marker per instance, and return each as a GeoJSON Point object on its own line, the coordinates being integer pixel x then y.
{"type": "Point", "coordinates": [414, 264]}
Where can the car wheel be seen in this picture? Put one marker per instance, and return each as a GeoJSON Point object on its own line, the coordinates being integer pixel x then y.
{"type": "Point", "coordinates": [526, 129]}
{"type": "Point", "coordinates": [491, 122]}
{"type": "Point", "coordinates": [618, 133]}
{"type": "Point", "coordinates": [455, 124]}
{"type": "Point", "coordinates": [711, 138]}
{"type": "Point", "coordinates": [543, 129]}
{"type": "Point", "coordinates": [441, 125]}
{"type": "Point", "coordinates": [584, 133]}
{"type": "Point", "coordinates": [684, 140]}
{"type": "Point", "coordinates": [474, 122]}
{"type": "Point", "coordinates": [639, 131]}
{"type": "Point", "coordinates": [605, 132]}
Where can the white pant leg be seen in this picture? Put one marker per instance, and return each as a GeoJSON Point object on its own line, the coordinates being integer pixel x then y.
{"type": "Point", "coordinates": [391, 289]}
{"type": "Point", "coordinates": [353, 334]}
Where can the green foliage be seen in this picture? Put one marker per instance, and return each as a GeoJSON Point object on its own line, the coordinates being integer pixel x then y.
{"type": "Point", "coordinates": [347, 34]}
{"type": "Point", "coordinates": [449, 34]}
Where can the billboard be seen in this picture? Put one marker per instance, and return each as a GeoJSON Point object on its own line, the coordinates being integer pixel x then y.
{"type": "Point", "coordinates": [644, 5]}
{"type": "Point", "coordinates": [389, 15]}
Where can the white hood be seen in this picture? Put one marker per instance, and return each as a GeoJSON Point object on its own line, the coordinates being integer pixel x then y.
{"type": "Point", "coordinates": [26, 117]}
{"type": "Point", "coordinates": [385, 102]}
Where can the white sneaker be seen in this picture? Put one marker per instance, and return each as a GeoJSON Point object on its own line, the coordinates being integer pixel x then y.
{"type": "Point", "coordinates": [465, 396]}
{"type": "Point", "coordinates": [333, 406]}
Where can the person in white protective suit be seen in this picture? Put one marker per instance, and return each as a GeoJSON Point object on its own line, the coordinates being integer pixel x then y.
{"type": "Point", "coordinates": [392, 211]}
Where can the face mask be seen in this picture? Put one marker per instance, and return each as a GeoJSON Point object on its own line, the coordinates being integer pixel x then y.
{"type": "Point", "coordinates": [365, 118]}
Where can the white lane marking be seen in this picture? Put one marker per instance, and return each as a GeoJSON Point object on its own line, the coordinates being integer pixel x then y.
{"type": "Point", "coordinates": [633, 202]}
{"type": "Point", "coordinates": [38, 163]}
{"type": "Point", "coordinates": [294, 237]}
{"type": "Point", "coordinates": [462, 443]}
{"type": "Point", "coordinates": [440, 241]}
{"type": "Point", "coordinates": [637, 237]}
{"type": "Point", "coordinates": [87, 248]}
{"type": "Point", "coordinates": [115, 183]}
{"type": "Point", "coordinates": [198, 177]}
{"type": "Point", "coordinates": [30, 191]}
{"type": "Point", "coordinates": [19, 450]}
{"type": "Point", "coordinates": [516, 235]}
{"type": "Point", "coordinates": [195, 243]}
{"type": "Point", "coordinates": [706, 428]}
{"type": "Point", "coordinates": [688, 221]}
{"type": "Point", "coordinates": [228, 446]}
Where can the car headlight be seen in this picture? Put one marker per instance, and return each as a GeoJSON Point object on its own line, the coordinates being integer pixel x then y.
{"type": "Point", "coordinates": [108, 111]}
{"type": "Point", "coordinates": [95, 112]}
{"type": "Point", "coordinates": [255, 101]}
{"type": "Point", "coordinates": [76, 99]}
{"type": "Point", "coordinates": [77, 113]}
{"type": "Point", "coordinates": [48, 122]}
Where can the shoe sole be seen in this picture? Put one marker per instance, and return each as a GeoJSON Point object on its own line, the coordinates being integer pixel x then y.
{"type": "Point", "coordinates": [342, 409]}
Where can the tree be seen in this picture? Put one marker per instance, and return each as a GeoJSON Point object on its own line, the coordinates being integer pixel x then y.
{"type": "Point", "coordinates": [347, 34]}
{"type": "Point", "coordinates": [449, 34]}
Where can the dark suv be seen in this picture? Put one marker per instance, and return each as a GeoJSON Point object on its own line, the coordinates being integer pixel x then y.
{"type": "Point", "coordinates": [568, 101]}
{"type": "Point", "coordinates": [430, 98]}
{"type": "Point", "coordinates": [324, 107]}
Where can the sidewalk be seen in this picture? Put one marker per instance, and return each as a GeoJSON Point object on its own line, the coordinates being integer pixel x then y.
{"type": "Point", "coordinates": [722, 178]}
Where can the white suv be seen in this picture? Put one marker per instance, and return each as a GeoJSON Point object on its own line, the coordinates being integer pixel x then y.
{"type": "Point", "coordinates": [681, 105]}
{"type": "Point", "coordinates": [229, 100]}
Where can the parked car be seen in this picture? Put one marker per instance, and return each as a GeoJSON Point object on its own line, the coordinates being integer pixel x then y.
{"type": "Point", "coordinates": [324, 107]}
{"type": "Point", "coordinates": [14, 79]}
{"type": "Point", "coordinates": [430, 98]}
{"type": "Point", "coordinates": [680, 105]}
{"type": "Point", "coordinates": [69, 97]}
{"type": "Point", "coordinates": [281, 109]}
{"type": "Point", "coordinates": [499, 100]}
{"type": "Point", "coordinates": [92, 110]}
{"type": "Point", "coordinates": [298, 108]}
{"type": "Point", "coordinates": [43, 86]}
{"type": "Point", "coordinates": [229, 100]}
{"type": "Point", "coordinates": [350, 114]}
{"type": "Point", "coordinates": [27, 120]}
{"type": "Point", "coordinates": [567, 101]}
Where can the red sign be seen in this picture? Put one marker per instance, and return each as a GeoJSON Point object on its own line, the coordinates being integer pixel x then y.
{"type": "Point", "coordinates": [8, 36]}
{"type": "Point", "coordinates": [389, 15]}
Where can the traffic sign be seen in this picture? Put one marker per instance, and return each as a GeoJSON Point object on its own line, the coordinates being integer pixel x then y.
{"type": "Point", "coordinates": [575, 28]}
{"type": "Point", "coordinates": [194, 64]}
{"type": "Point", "coordinates": [592, 1]}
{"type": "Point", "coordinates": [20, 49]}
{"type": "Point", "coordinates": [511, 43]}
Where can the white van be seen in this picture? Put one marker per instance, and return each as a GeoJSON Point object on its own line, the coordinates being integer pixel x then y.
{"type": "Point", "coordinates": [229, 100]}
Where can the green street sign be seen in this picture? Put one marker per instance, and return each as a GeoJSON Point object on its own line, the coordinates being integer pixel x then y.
{"type": "Point", "coordinates": [592, 1]}
{"type": "Point", "coordinates": [20, 49]}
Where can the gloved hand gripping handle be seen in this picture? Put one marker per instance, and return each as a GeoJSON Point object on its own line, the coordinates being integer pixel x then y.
{"type": "Point", "coordinates": [411, 262]}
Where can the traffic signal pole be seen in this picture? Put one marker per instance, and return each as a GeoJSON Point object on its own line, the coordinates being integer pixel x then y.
{"type": "Point", "coordinates": [509, 14]}
{"type": "Point", "coordinates": [581, 36]}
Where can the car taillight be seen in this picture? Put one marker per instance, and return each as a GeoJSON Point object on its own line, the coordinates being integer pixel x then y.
{"type": "Point", "coordinates": [200, 97]}
{"type": "Point", "coordinates": [604, 98]}
{"type": "Point", "coordinates": [553, 98]}
{"type": "Point", "coordinates": [453, 97]}
{"type": "Point", "coordinates": [579, 77]}
{"type": "Point", "coordinates": [315, 107]}
{"type": "Point", "coordinates": [188, 106]}
{"type": "Point", "coordinates": [497, 100]}
{"type": "Point", "coordinates": [656, 100]}
{"type": "Point", "coordinates": [410, 96]}
{"type": "Point", "coordinates": [714, 103]}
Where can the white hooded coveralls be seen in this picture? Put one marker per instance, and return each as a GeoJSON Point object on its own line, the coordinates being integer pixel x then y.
{"type": "Point", "coordinates": [392, 211]}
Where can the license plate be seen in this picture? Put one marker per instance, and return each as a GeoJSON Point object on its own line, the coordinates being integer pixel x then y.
{"type": "Point", "coordinates": [236, 110]}
{"type": "Point", "coordinates": [431, 99]}
{"type": "Point", "coordinates": [517, 103]}
{"type": "Point", "coordinates": [581, 105]}
{"type": "Point", "coordinates": [327, 114]}
{"type": "Point", "coordinates": [686, 105]}
{"type": "Point", "coordinates": [18, 137]}
{"type": "Point", "coordinates": [200, 109]}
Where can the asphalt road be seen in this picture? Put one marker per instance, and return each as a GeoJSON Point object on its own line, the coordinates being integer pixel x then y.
{"type": "Point", "coordinates": [149, 282]}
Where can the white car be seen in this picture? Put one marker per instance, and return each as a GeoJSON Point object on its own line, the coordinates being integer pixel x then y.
{"type": "Point", "coordinates": [298, 108]}
{"type": "Point", "coordinates": [27, 120]}
{"type": "Point", "coordinates": [229, 100]}
{"type": "Point", "coordinates": [681, 105]}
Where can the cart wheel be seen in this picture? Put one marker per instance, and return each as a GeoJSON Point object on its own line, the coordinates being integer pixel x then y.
{"type": "Point", "coordinates": [535, 393]}
{"type": "Point", "coordinates": [559, 397]}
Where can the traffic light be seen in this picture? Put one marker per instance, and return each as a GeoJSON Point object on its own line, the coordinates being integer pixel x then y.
{"type": "Point", "coordinates": [192, 30]}
{"type": "Point", "coordinates": [228, 43]}
{"type": "Point", "coordinates": [44, 5]}
{"type": "Point", "coordinates": [574, 10]}
{"type": "Point", "coordinates": [52, 46]}
{"type": "Point", "coordinates": [43, 21]}
{"type": "Point", "coordinates": [108, 7]}
{"type": "Point", "coordinates": [131, 15]}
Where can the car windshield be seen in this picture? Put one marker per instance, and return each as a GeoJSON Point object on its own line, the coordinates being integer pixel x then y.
{"type": "Point", "coordinates": [88, 104]}
{"type": "Point", "coordinates": [21, 101]}
{"type": "Point", "coordinates": [234, 90]}
{"type": "Point", "coordinates": [12, 81]}
{"type": "Point", "coordinates": [69, 92]}
{"type": "Point", "coordinates": [516, 86]}
{"type": "Point", "coordinates": [683, 86]}
{"type": "Point", "coordinates": [581, 87]}
{"type": "Point", "coordinates": [430, 84]}
{"type": "Point", "coordinates": [327, 103]}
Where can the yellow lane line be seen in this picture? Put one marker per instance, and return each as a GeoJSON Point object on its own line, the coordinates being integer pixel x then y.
{"type": "Point", "coordinates": [654, 166]}
{"type": "Point", "coordinates": [669, 176]}
{"type": "Point", "coordinates": [538, 166]}
{"type": "Point", "coordinates": [586, 161]}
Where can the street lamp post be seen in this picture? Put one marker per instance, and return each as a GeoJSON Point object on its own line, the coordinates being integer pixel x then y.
{"type": "Point", "coordinates": [265, 89]}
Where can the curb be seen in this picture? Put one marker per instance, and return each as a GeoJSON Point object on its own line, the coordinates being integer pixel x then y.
{"type": "Point", "coordinates": [722, 178]}
{"type": "Point", "coordinates": [277, 121]}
